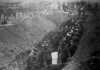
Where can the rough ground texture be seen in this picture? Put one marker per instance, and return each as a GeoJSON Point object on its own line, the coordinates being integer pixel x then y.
{"type": "Point", "coordinates": [22, 34]}
{"type": "Point", "coordinates": [28, 32]}
{"type": "Point", "coordinates": [62, 40]}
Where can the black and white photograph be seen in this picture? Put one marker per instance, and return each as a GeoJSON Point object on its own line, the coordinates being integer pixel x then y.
{"type": "Point", "coordinates": [49, 34]}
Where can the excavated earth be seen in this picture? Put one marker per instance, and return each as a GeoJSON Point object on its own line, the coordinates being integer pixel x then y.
{"type": "Point", "coordinates": [27, 30]}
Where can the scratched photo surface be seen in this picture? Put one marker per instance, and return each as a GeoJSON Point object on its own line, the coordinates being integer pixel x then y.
{"type": "Point", "coordinates": [49, 34]}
